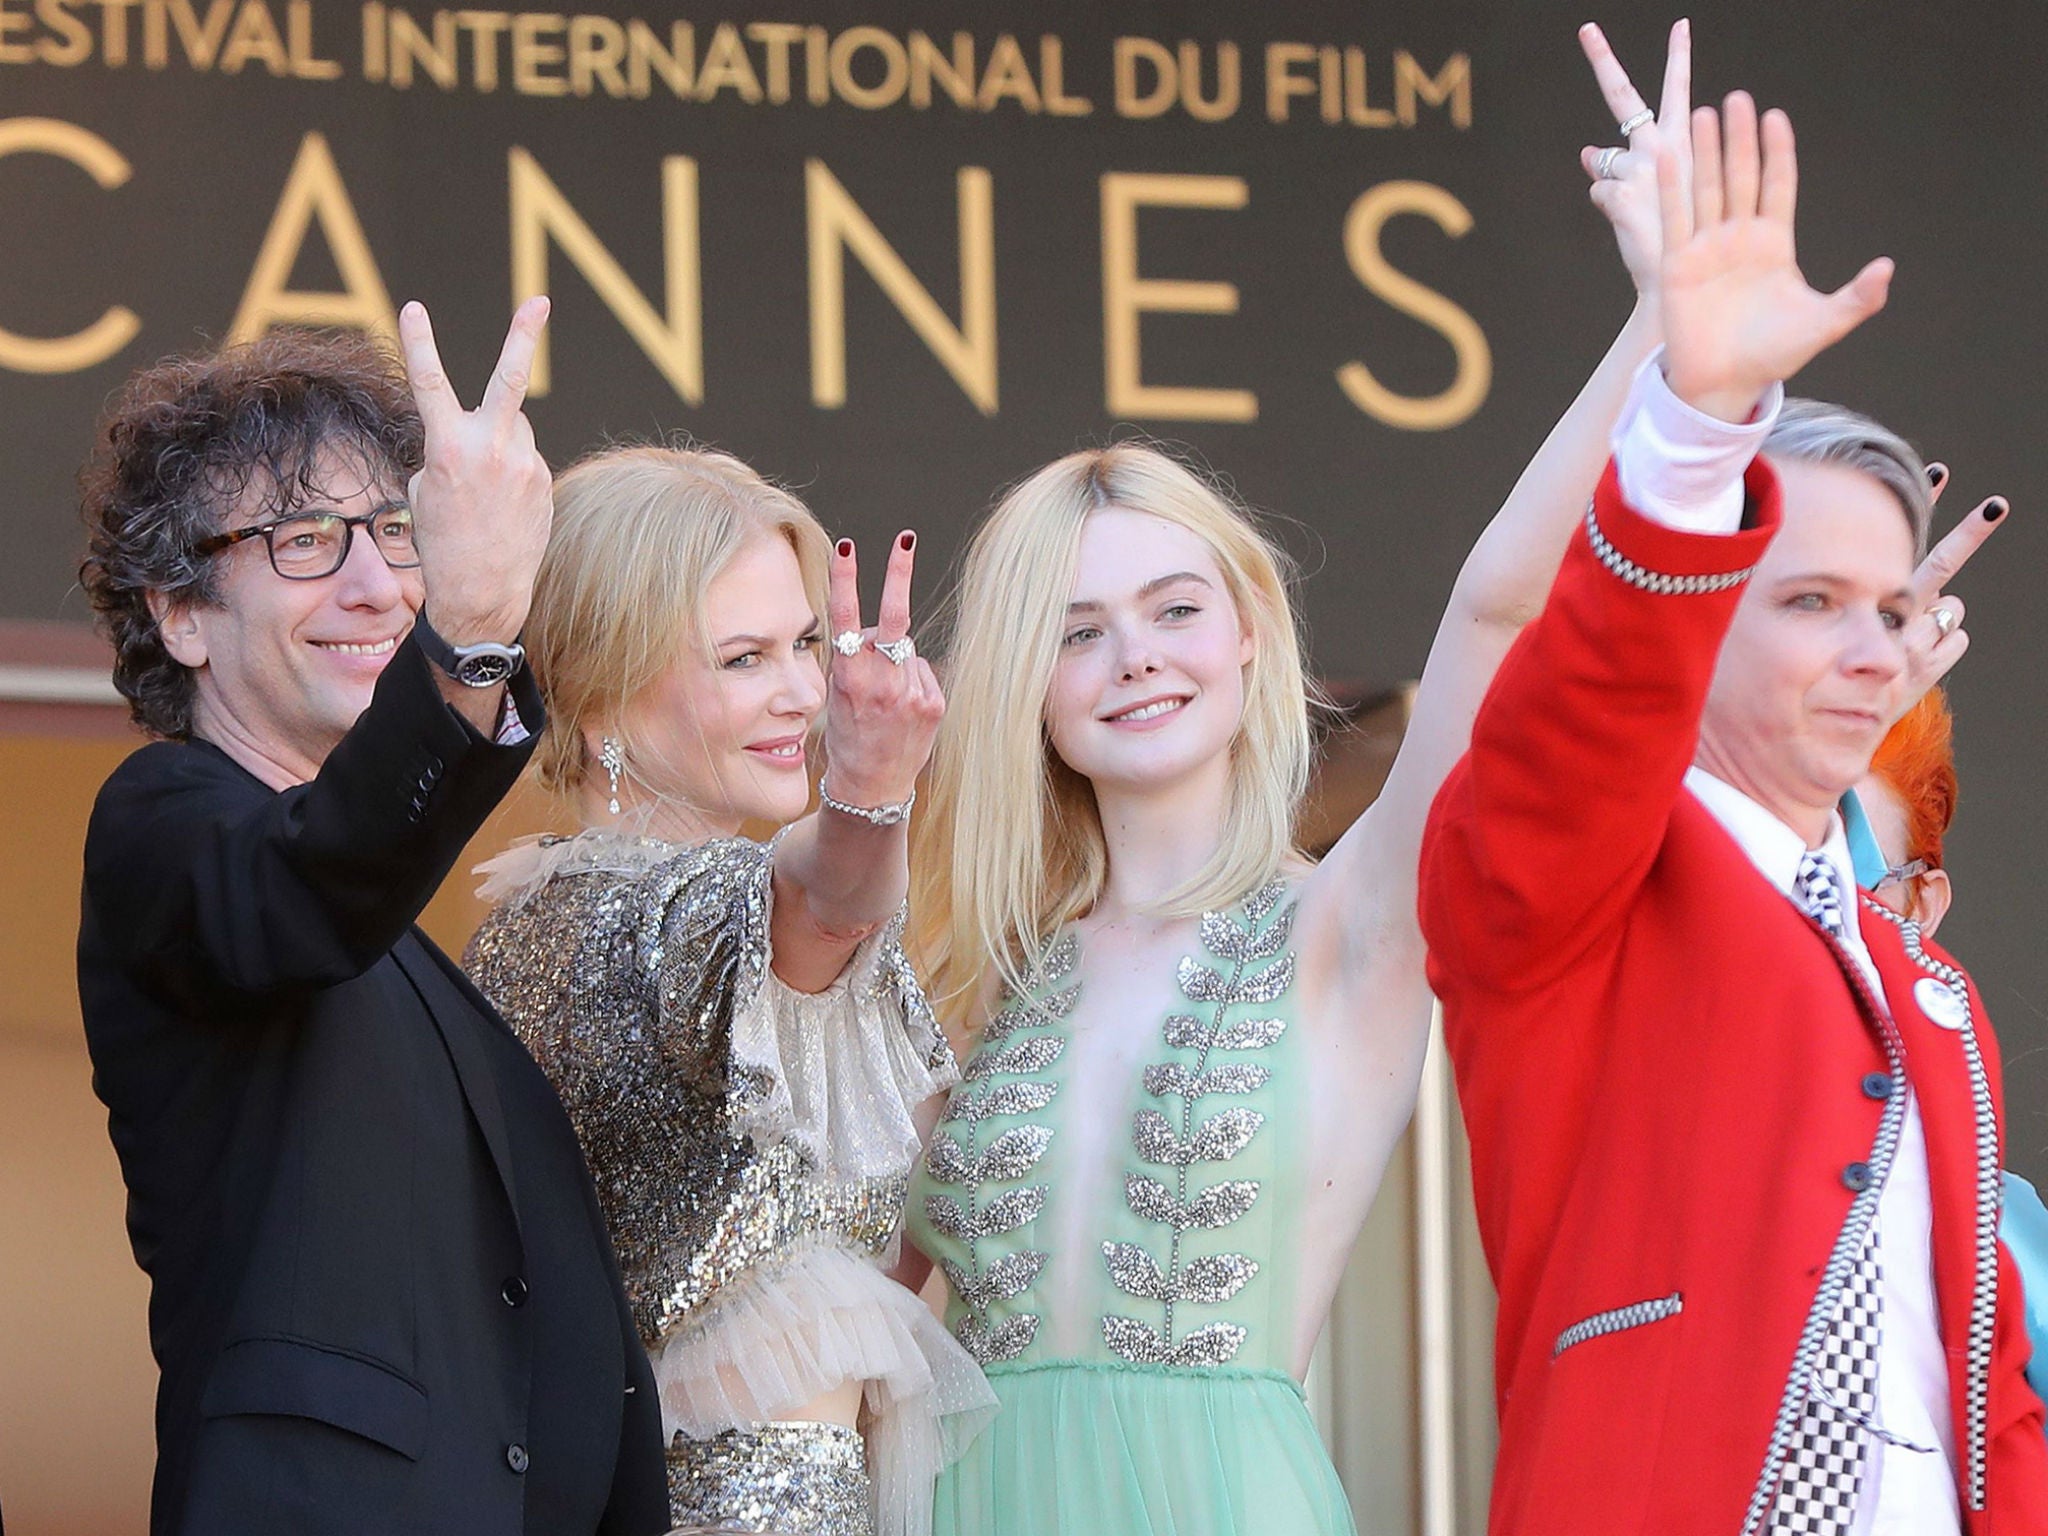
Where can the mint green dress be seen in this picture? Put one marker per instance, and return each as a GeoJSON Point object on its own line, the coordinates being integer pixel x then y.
{"type": "Point", "coordinates": [1168, 1407]}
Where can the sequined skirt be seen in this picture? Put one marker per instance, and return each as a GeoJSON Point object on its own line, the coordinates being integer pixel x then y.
{"type": "Point", "coordinates": [790, 1477]}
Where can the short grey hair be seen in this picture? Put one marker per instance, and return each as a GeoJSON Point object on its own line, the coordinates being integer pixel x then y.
{"type": "Point", "coordinates": [1815, 432]}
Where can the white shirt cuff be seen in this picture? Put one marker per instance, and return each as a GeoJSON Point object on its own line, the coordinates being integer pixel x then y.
{"type": "Point", "coordinates": [1681, 467]}
{"type": "Point", "coordinates": [511, 729]}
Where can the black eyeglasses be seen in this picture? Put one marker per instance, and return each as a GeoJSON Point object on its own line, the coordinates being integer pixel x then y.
{"type": "Point", "coordinates": [309, 545]}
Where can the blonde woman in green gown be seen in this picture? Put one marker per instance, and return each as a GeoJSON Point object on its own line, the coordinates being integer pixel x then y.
{"type": "Point", "coordinates": [1189, 1052]}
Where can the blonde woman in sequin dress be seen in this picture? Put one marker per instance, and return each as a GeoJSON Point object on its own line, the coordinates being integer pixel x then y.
{"type": "Point", "coordinates": [1189, 1053]}
{"type": "Point", "coordinates": [731, 1023]}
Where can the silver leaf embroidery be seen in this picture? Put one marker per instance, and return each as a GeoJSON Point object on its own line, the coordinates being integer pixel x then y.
{"type": "Point", "coordinates": [1216, 1140]}
{"type": "Point", "coordinates": [1171, 1079]}
{"type": "Point", "coordinates": [1214, 1278]}
{"type": "Point", "coordinates": [1032, 1055]}
{"type": "Point", "coordinates": [1135, 1271]}
{"type": "Point", "coordinates": [1021, 1098]}
{"type": "Point", "coordinates": [1006, 1341]}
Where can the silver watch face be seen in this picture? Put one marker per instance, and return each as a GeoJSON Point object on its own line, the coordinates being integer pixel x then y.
{"type": "Point", "coordinates": [485, 666]}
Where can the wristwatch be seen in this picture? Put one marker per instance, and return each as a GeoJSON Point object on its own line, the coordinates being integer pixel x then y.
{"type": "Point", "coordinates": [474, 666]}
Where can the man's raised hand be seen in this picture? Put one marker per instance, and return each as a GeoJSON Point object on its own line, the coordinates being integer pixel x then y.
{"type": "Point", "coordinates": [1739, 316]}
{"type": "Point", "coordinates": [482, 501]}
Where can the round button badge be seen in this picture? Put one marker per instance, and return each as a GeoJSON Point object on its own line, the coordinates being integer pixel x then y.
{"type": "Point", "coordinates": [1939, 1002]}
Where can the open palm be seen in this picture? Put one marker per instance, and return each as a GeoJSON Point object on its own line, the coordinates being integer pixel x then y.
{"type": "Point", "coordinates": [1738, 313]}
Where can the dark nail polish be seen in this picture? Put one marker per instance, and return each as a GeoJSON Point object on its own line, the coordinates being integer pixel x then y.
{"type": "Point", "coordinates": [1937, 476]}
{"type": "Point", "coordinates": [906, 542]}
{"type": "Point", "coordinates": [845, 548]}
{"type": "Point", "coordinates": [1995, 511]}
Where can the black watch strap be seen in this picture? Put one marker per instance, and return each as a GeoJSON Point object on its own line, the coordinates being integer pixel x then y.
{"type": "Point", "coordinates": [484, 665]}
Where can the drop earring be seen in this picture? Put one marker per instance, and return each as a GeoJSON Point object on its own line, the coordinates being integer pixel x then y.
{"type": "Point", "coordinates": [613, 756]}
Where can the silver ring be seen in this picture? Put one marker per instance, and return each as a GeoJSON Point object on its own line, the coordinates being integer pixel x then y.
{"type": "Point", "coordinates": [1944, 622]}
{"type": "Point", "coordinates": [1642, 117]}
{"type": "Point", "coordinates": [848, 642]}
{"type": "Point", "coordinates": [898, 651]}
{"type": "Point", "coordinates": [1603, 164]}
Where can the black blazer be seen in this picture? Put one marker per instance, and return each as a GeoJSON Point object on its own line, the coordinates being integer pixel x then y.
{"type": "Point", "coordinates": [382, 1296]}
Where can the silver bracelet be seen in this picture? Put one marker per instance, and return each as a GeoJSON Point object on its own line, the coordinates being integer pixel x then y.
{"type": "Point", "coordinates": [879, 815]}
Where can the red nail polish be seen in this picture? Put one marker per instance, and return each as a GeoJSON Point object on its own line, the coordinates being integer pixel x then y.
{"type": "Point", "coordinates": [845, 548]}
{"type": "Point", "coordinates": [906, 542]}
{"type": "Point", "coordinates": [1995, 511]}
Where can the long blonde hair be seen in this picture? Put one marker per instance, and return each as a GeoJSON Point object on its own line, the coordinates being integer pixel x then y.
{"type": "Point", "coordinates": [1010, 846]}
{"type": "Point", "coordinates": [640, 532]}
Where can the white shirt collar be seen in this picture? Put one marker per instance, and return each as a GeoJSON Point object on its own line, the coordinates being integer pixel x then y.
{"type": "Point", "coordinates": [1772, 846]}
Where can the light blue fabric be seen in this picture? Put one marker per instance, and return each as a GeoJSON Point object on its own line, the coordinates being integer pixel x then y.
{"type": "Point", "coordinates": [1868, 858]}
{"type": "Point", "coordinates": [2024, 1228]}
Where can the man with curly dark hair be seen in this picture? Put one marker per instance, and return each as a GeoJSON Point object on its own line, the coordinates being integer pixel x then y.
{"type": "Point", "coordinates": [382, 1295]}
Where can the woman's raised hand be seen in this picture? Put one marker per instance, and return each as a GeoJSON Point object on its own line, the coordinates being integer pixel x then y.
{"type": "Point", "coordinates": [1738, 314]}
{"type": "Point", "coordinates": [1935, 638]}
{"type": "Point", "coordinates": [1625, 178]}
{"type": "Point", "coordinates": [883, 703]}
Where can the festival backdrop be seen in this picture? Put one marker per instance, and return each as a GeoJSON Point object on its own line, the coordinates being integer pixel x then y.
{"type": "Point", "coordinates": [899, 253]}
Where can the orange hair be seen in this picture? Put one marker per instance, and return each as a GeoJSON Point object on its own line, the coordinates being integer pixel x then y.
{"type": "Point", "coordinates": [1917, 759]}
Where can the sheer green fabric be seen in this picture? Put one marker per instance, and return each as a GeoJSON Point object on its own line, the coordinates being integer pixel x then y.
{"type": "Point", "coordinates": [1142, 1369]}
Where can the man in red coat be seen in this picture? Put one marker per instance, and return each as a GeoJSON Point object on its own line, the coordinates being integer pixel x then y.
{"type": "Point", "coordinates": [1736, 1130]}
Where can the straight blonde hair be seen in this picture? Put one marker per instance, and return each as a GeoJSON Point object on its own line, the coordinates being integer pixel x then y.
{"type": "Point", "coordinates": [1010, 846]}
{"type": "Point", "coordinates": [640, 532]}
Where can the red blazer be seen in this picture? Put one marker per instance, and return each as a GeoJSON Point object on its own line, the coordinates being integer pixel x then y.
{"type": "Point", "coordinates": [1682, 1097]}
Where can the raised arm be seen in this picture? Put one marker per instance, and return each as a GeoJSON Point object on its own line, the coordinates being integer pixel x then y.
{"type": "Point", "coordinates": [1502, 584]}
{"type": "Point", "coordinates": [839, 874]}
{"type": "Point", "coordinates": [1537, 840]}
{"type": "Point", "coordinates": [201, 877]}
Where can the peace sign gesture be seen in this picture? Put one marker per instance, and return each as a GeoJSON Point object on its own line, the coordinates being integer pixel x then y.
{"type": "Point", "coordinates": [481, 502]}
{"type": "Point", "coordinates": [1625, 176]}
{"type": "Point", "coordinates": [883, 703]}
{"type": "Point", "coordinates": [1935, 638]}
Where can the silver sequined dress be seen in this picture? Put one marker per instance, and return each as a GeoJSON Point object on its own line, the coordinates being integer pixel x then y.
{"type": "Point", "coordinates": [750, 1143]}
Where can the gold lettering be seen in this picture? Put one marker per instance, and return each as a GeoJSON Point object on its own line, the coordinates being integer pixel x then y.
{"type": "Point", "coordinates": [201, 40]}
{"type": "Point", "coordinates": [76, 46]}
{"type": "Point", "coordinates": [530, 55]}
{"type": "Point", "coordinates": [1126, 56]}
{"type": "Point", "coordinates": [1126, 297]}
{"type": "Point", "coordinates": [596, 45]}
{"type": "Point", "coordinates": [410, 46]}
{"type": "Point", "coordinates": [373, 41]}
{"type": "Point", "coordinates": [314, 191]}
{"type": "Point", "coordinates": [776, 37]}
{"type": "Point", "coordinates": [484, 29]}
{"type": "Point", "coordinates": [895, 68]}
{"type": "Point", "coordinates": [117, 325]}
{"type": "Point", "coordinates": [956, 75]}
{"type": "Point", "coordinates": [15, 53]}
{"type": "Point", "coordinates": [676, 64]}
{"type": "Point", "coordinates": [540, 214]}
{"type": "Point", "coordinates": [817, 87]}
{"type": "Point", "coordinates": [1452, 83]}
{"type": "Point", "coordinates": [1474, 377]}
{"type": "Point", "coordinates": [298, 28]}
{"type": "Point", "coordinates": [1008, 76]}
{"type": "Point", "coordinates": [1052, 69]}
{"type": "Point", "coordinates": [837, 225]}
{"type": "Point", "coordinates": [255, 36]}
{"type": "Point", "coordinates": [1357, 111]}
{"type": "Point", "coordinates": [1281, 82]}
{"type": "Point", "coordinates": [1328, 71]}
{"type": "Point", "coordinates": [114, 31]}
{"type": "Point", "coordinates": [1228, 91]}
{"type": "Point", "coordinates": [725, 64]}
